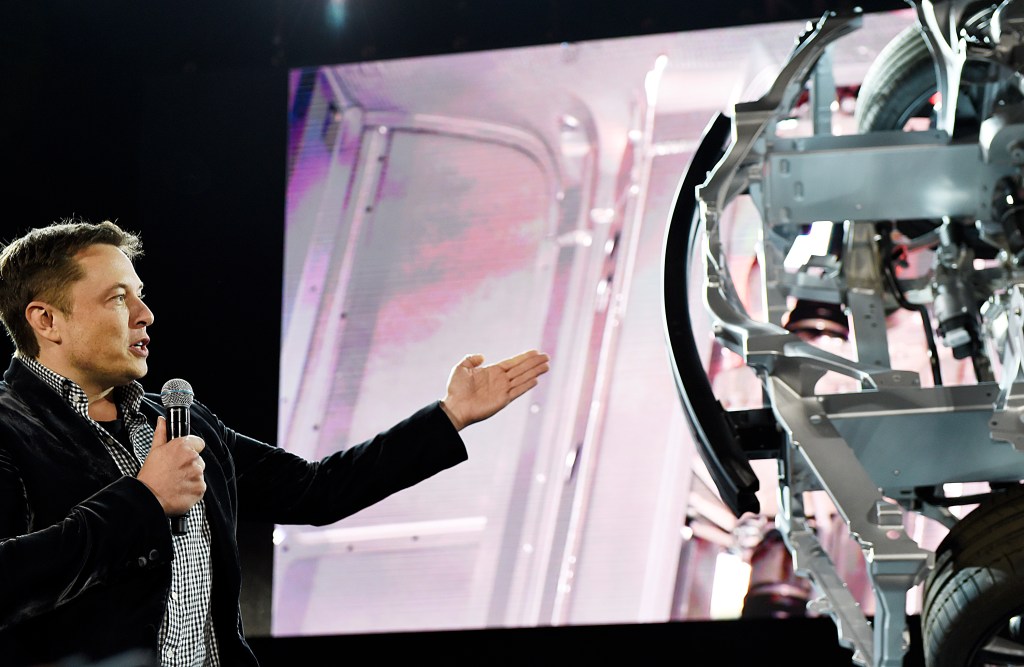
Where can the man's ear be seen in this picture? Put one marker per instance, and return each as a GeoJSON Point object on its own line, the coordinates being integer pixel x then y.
{"type": "Point", "coordinates": [40, 316]}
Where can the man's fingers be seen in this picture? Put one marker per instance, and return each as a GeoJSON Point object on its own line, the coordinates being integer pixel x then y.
{"type": "Point", "coordinates": [160, 437]}
{"type": "Point", "coordinates": [160, 432]}
{"type": "Point", "coordinates": [195, 442]}
{"type": "Point", "coordinates": [522, 371]}
{"type": "Point", "coordinates": [526, 359]}
{"type": "Point", "coordinates": [512, 362]}
{"type": "Point", "coordinates": [174, 471]}
{"type": "Point", "coordinates": [516, 392]}
{"type": "Point", "coordinates": [473, 360]}
{"type": "Point", "coordinates": [530, 367]}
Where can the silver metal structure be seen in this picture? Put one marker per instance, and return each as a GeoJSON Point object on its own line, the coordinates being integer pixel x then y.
{"type": "Point", "coordinates": [888, 449]}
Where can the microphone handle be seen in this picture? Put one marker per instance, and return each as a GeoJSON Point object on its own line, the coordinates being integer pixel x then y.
{"type": "Point", "coordinates": [178, 426]}
{"type": "Point", "coordinates": [179, 524]}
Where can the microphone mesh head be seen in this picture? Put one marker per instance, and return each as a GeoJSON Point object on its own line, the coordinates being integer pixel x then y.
{"type": "Point", "coordinates": [176, 393]}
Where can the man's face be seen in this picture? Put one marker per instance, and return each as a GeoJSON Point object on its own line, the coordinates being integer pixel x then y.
{"type": "Point", "coordinates": [103, 340]}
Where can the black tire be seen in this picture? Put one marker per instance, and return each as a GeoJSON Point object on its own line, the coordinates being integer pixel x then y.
{"type": "Point", "coordinates": [975, 593]}
{"type": "Point", "coordinates": [899, 84]}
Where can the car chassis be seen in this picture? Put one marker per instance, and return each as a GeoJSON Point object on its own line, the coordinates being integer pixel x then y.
{"type": "Point", "coordinates": [887, 449]}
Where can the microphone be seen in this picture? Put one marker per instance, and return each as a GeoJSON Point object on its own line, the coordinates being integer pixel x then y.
{"type": "Point", "coordinates": [177, 397]}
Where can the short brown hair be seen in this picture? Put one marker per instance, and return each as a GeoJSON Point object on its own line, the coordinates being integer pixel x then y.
{"type": "Point", "coordinates": [41, 265]}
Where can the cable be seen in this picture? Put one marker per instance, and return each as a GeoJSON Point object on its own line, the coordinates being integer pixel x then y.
{"type": "Point", "coordinates": [901, 299]}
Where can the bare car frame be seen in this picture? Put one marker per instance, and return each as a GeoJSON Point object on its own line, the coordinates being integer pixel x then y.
{"type": "Point", "coordinates": [889, 448]}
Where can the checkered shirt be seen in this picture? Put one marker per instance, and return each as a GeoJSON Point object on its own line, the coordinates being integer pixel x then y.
{"type": "Point", "coordinates": [187, 636]}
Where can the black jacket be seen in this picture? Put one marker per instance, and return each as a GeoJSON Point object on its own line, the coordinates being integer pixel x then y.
{"type": "Point", "coordinates": [85, 552]}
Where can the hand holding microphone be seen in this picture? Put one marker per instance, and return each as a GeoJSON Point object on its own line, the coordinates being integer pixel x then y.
{"type": "Point", "coordinates": [173, 471]}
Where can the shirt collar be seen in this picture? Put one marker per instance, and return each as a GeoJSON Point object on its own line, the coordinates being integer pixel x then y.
{"type": "Point", "coordinates": [127, 397]}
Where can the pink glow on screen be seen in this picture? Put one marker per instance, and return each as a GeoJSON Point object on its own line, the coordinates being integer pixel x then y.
{"type": "Point", "coordinates": [494, 202]}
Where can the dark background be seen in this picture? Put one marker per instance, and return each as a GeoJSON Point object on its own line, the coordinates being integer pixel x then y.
{"type": "Point", "coordinates": [171, 119]}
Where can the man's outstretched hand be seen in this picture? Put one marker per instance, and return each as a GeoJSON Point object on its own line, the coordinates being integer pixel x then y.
{"type": "Point", "coordinates": [476, 392]}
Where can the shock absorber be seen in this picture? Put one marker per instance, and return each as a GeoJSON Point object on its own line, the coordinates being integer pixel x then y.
{"type": "Point", "coordinates": [954, 306]}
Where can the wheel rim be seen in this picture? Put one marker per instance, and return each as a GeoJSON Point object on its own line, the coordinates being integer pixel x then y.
{"type": "Point", "coordinates": [1004, 648]}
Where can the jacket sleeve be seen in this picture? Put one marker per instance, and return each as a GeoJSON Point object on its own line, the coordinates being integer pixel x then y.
{"type": "Point", "coordinates": [278, 486]}
{"type": "Point", "coordinates": [119, 528]}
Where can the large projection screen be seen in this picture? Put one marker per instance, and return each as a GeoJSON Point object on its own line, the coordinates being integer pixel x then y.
{"type": "Point", "coordinates": [493, 202]}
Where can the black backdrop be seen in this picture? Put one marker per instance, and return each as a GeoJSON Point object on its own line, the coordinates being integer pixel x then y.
{"type": "Point", "coordinates": [170, 118]}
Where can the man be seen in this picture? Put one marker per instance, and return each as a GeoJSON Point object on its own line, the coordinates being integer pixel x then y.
{"type": "Point", "coordinates": [89, 565]}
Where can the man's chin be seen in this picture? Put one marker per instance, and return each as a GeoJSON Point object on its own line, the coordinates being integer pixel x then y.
{"type": "Point", "coordinates": [137, 372]}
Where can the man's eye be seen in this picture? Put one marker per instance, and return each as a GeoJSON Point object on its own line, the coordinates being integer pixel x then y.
{"type": "Point", "coordinates": [120, 298]}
